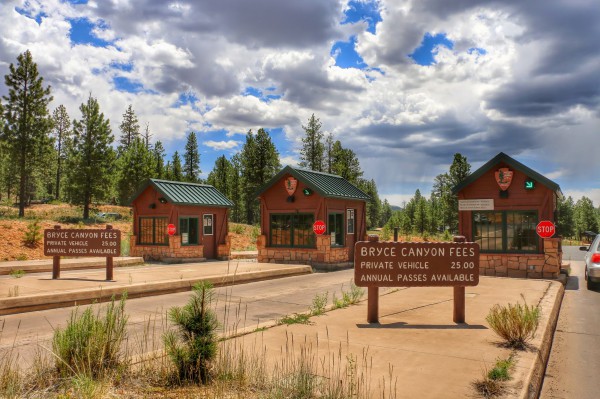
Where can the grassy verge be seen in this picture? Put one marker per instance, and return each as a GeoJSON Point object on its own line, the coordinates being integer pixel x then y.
{"type": "Point", "coordinates": [92, 357]}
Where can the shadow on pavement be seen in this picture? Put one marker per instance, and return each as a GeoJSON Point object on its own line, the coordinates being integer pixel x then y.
{"type": "Point", "coordinates": [403, 325]}
{"type": "Point", "coordinates": [572, 283]}
{"type": "Point", "coordinates": [78, 279]}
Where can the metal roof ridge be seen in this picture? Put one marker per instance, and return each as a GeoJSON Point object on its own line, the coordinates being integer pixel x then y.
{"type": "Point", "coordinates": [181, 182]}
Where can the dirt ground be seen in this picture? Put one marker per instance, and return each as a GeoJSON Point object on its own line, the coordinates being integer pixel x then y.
{"type": "Point", "coordinates": [13, 229]}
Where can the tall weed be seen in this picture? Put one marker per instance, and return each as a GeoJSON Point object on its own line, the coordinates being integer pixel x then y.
{"type": "Point", "coordinates": [516, 324]}
{"type": "Point", "coordinates": [90, 344]}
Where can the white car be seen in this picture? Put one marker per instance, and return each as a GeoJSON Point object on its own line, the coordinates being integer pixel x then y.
{"type": "Point", "coordinates": [592, 263]}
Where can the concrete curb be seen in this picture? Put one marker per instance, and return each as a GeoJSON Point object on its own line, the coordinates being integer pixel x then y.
{"type": "Point", "coordinates": [551, 301]}
{"type": "Point", "coordinates": [80, 297]}
{"type": "Point", "coordinates": [42, 266]}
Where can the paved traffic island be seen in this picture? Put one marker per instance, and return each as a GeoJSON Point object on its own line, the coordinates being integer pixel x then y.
{"type": "Point", "coordinates": [39, 292]}
{"type": "Point", "coordinates": [427, 354]}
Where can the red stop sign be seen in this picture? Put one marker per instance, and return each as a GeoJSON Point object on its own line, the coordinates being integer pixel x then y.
{"type": "Point", "coordinates": [319, 227]}
{"type": "Point", "coordinates": [171, 229]}
{"type": "Point", "coordinates": [545, 229]}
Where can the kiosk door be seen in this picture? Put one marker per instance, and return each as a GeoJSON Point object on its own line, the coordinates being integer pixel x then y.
{"type": "Point", "coordinates": [208, 235]}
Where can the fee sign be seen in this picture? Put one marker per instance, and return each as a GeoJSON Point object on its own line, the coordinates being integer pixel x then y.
{"type": "Point", "coordinates": [82, 242]}
{"type": "Point", "coordinates": [416, 264]}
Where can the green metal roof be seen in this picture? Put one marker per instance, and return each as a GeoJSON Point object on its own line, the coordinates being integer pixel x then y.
{"type": "Point", "coordinates": [182, 193]}
{"type": "Point", "coordinates": [502, 157]}
{"type": "Point", "coordinates": [327, 185]}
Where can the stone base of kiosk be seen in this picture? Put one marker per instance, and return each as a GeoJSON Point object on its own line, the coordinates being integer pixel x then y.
{"type": "Point", "coordinates": [323, 254]}
{"type": "Point", "coordinates": [546, 265]}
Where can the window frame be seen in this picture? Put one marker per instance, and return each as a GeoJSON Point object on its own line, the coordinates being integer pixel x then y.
{"type": "Point", "coordinates": [337, 215]}
{"type": "Point", "coordinates": [312, 240]}
{"type": "Point", "coordinates": [154, 219]}
{"type": "Point", "coordinates": [350, 215]}
{"type": "Point", "coordinates": [211, 225]}
{"type": "Point", "coordinates": [504, 230]}
{"type": "Point", "coordinates": [181, 232]}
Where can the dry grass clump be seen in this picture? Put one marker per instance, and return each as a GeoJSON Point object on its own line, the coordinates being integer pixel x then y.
{"type": "Point", "coordinates": [90, 344]}
{"type": "Point", "coordinates": [515, 324]}
{"type": "Point", "coordinates": [493, 382]}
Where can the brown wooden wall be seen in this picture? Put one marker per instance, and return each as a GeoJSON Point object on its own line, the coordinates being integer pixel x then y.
{"type": "Point", "coordinates": [141, 207]}
{"type": "Point", "coordinates": [274, 200]}
{"type": "Point", "coordinates": [542, 199]}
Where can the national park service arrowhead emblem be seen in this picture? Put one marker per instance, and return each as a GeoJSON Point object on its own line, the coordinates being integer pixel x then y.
{"type": "Point", "coordinates": [504, 178]}
{"type": "Point", "coordinates": [290, 185]}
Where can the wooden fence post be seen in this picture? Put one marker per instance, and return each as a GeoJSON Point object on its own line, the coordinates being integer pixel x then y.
{"type": "Point", "coordinates": [459, 294]}
{"type": "Point", "coordinates": [373, 295]}
{"type": "Point", "coordinates": [109, 261]}
{"type": "Point", "coordinates": [56, 262]}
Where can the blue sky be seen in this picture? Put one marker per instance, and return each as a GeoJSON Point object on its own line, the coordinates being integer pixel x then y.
{"type": "Point", "coordinates": [403, 84]}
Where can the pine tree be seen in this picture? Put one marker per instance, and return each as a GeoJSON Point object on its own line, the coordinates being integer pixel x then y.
{"type": "Point", "coordinates": [329, 153]}
{"type": "Point", "coordinates": [147, 137]}
{"type": "Point", "coordinates": [130, 129]}
{"type": "Point", "coordinates": [236, 194]}
{"type": "Point", "coordinates": [584, 216]}
{"type": "Point", "coordinates": [374, 204]}
{"type": "Point", "coordinates": [135, 165]}
{"type": "Point", "coordinates": [565, 223]}
{"type": "Point", "coordinates": [345, 163]}
{"type": "Point", "coordinates": [311, 153]}
{"type": "Point", "coordinates": [260, 162]}
{"type": "Point", "coordinates": [442, 190]}
{"type": "Point", "coordinates": [191, 159]}
{"type": "Point", "coordinates": [62, 140]}
{"type": "Point", "coordinates": [158, 154]}
{"type": "Point", "coordinates": [91, 159]}
{"type": "Point", "coordinates": [176, 171]}
{"type": "Point", "coordinates": [420, 222]}
{"type": "Point", "coordinates": [220, 176]}
{"type": "Point", "coordinates": [27, 122]}
{"type": "Point", "coordinates": [168, 175]}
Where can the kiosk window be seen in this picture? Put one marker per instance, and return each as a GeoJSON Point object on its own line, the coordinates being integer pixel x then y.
{"type": "Point", "coordinates": [207, 223]}
{"type": "Point", "coordinates": [336, 229]}
{"type": "Point", "coordinates": [292, 230]}
{"type": "Point", "coordinates": [350, 221]}
{"type": "Point", "coordinates": [153, 231]}
{"type": "Point", "coordinates": [506, 231]}
{"type": "Point", "coordinates": [188, 228]}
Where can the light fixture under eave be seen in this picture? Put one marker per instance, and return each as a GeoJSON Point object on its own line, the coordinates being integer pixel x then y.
{"type": "Point", "coordinates": [162, 200]}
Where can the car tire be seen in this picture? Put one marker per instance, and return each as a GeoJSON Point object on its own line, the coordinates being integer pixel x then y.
{"type": "Point", "coordinates": [590, 284]}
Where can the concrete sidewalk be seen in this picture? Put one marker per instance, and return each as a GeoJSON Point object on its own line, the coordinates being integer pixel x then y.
{"type": "Point", "coordinates": [416, 349]}
{"type": "Point", "coordinates": [37, 292]}
{"type": "Point", "coordinates": [45, 265]}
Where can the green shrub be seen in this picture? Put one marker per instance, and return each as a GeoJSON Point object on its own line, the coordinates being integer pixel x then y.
{"type": "Point", "coordinates": [446, 236]}
{"type": "Point", "coordinates": [237, 228]}
{"type": "Point", "coordinates": [255, 232]}
{"type": "Point", "coordinates": [90, 345]}
{"type": "Point", "coordinates": [194, 345]}
{"type": "Point", "coordinates": [33, 235]}
{"type": "Point", "coordinates": [319, 303]}
{"type": "Point", "coordinates": [348, 297]}
{"type": "Point", "coordinates": [17, 273]}
{"type": "Point", "coordinates": [502, 369]}
{"type": "Point", "coordinates": [493, 382]}
{"type": "Point", "coordinates": [386, 233]}
{"type": "Point", "coordinates": [516, 324]}
{"type": "Point", "coordinates": [296, 318]}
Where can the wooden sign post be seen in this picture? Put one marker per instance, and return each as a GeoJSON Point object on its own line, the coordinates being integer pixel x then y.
{"type": "Point", "coordinates": [415, 264]}
{"type": "Point", "coordinates": [82, 242]}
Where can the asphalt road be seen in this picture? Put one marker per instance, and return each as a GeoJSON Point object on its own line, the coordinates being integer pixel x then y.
{"type": "Point", "coordinates": [238, 307]}
{"type": "Point", "coordinates": [574, 365]}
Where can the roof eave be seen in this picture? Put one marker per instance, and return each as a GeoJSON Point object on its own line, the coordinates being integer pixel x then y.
{"type": "Point", "coordinates": [502, 157]}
